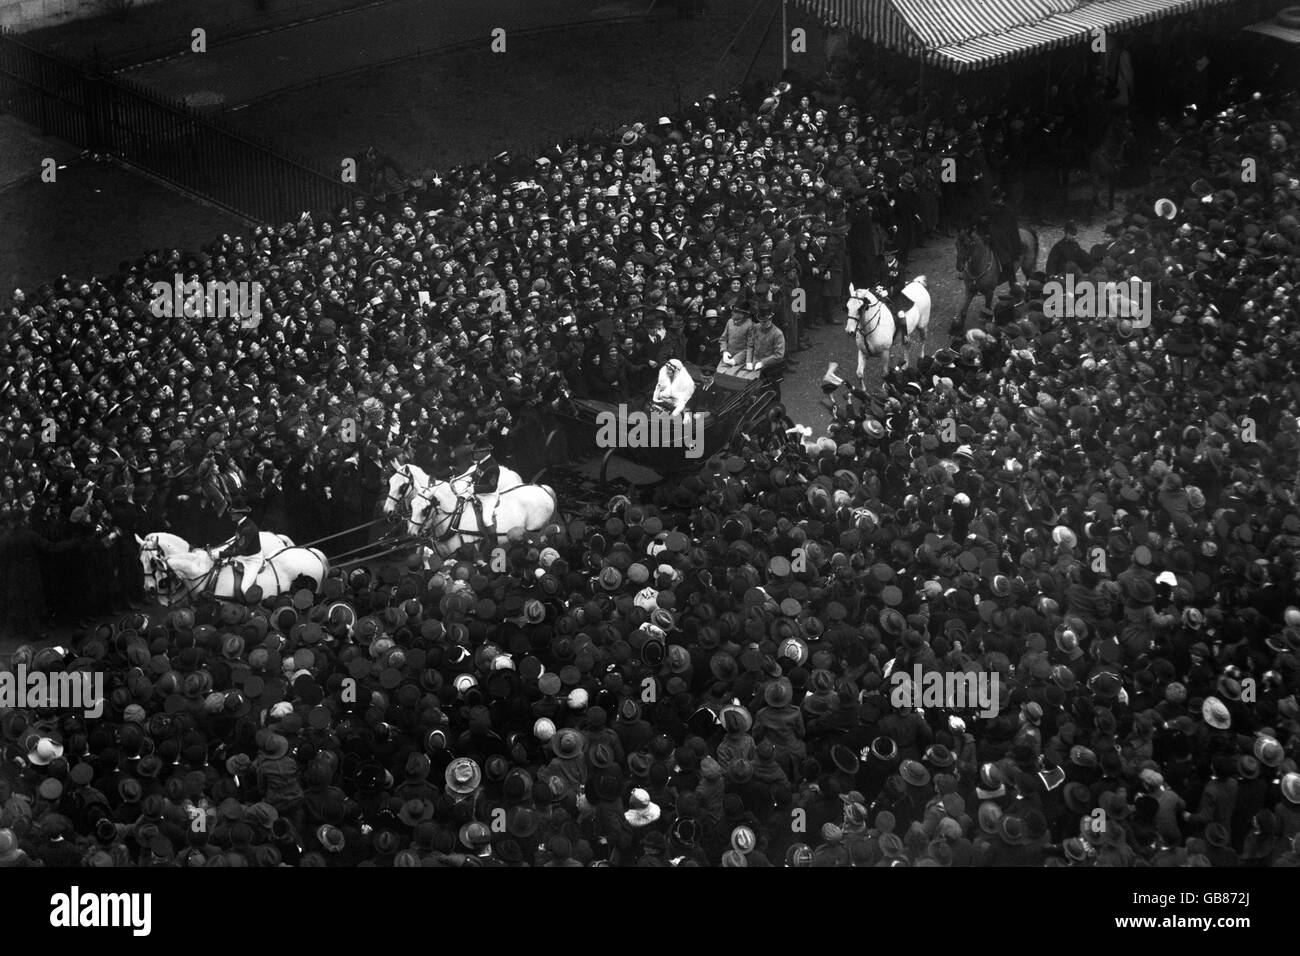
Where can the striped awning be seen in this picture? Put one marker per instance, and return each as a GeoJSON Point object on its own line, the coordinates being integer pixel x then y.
{"type": "Point", "coordinates": [1270, 28]}
{"type": "Point", "coordinates": [966, 34]}
{"type": "Point", "coordinates": [1124, 14]}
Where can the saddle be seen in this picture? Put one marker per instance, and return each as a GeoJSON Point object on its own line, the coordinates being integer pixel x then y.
{"type": "Point", "coordinates": [239, 564]}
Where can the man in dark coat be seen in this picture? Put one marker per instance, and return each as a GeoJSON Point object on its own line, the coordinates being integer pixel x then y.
{"type": "Point", "coordinates": [1067, 256]}
{"type": "Point", "coordinates": [247, 546]}
{"type": "Point", "coordinates": [125, 518]}
{"type": "Point", "coordinates": [863, 255]}
{"type": "Point", "coordinates": [1003, 236]}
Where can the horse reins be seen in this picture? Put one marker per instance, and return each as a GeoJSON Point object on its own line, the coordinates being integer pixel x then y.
{"type": "Point", "coordinates": [454, 516]}
{"type": "Point", "coordinates": [863, 330]}
{"type": "Point", "coordinates": [966, 261]}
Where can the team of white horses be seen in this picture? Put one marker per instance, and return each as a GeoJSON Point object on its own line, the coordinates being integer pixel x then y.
{"type": "Point", "coordinates": [441, 513]}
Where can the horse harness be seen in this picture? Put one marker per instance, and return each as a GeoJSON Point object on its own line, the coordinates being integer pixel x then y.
{"type": "Point", "coordinates": [206, 583]}
{"type": "Point", "coordinates": [968, 259]}
{"type": "Point", "coordinates": [484, 531]}
{"type": "Point", "coordinates": [863, 330]}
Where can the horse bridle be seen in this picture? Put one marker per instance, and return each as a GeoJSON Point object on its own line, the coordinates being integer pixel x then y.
{"type": "Point", "coordinates": [967, 258]}
{"type": "Point", "coordinates": [428, 498]}
{"type": "Point", "coordinates": [162, 571]}
{"type": "Point", "coordinates": [399, 499]}
{"type": "Point", "coordinates": [863, 329]}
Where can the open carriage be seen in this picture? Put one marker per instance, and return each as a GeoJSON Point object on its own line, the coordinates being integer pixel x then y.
{"type": "Point", "coordinates": [600, 443]}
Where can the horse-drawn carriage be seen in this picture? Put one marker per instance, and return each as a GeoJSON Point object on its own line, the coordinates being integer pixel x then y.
{"type": "Point", "coordinates": [593, 442]}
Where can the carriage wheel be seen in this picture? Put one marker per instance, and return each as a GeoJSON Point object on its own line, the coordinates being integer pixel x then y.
{"type": "Point", "coordinates": [754, 414]}
{"type": "Point", "coordinates": [604, 465]}
{"type": "Point", "coordinates": [557, 447]}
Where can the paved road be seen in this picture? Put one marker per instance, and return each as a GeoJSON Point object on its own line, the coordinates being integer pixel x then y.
{"type": "Point", "coordinates": [91, 218]}
{"type": "Point", "coordinates": [24, 149]}
{"type": "Point", "coordinates": [936, 260]}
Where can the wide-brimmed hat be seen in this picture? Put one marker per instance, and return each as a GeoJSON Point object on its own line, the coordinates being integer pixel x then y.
{"type": "Point", "coordinates": [779, 693]}
{"type": "Point", "coordinates": [939, 756]}
{"type": "Point", "coordinates": [1291, 788]}
{"type": "Point", "coordinates": [914, 773]}
{"type": "Point", "coordinates": [414, 812]}
{"type": "Point", "coordinates": [1012, 830]}
{"type": "Point", "coordinates": [735, 719]}
{"type": "Point", "coordinates": [43, 750]}
{"type": "Point", "coordinates": [463, 776]}
{"type": "Point", "coordinates": [1269, 751]}
{"type": "Point", "coordinates": [1215, 713]}
{"type": "Point", "coordinates": [474, 835]}
{"type": "Point", "coordinates": [642, 811]}
{"type": "Point", "coordinates": [567, 743]}
{"type": "Point", "coordinates": [845, 760]}
{"type": "Point", "coordinates": [330, 837]}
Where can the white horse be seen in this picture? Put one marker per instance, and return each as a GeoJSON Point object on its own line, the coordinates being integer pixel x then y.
{"type": "Point", "coordinates": [874, 326]}
{"type": "Point", "coordinates": [410, 481]}
{"type": "Point", "coordinates": [403, 485]}
{"type": "Point", "coordinates": [169, 543]}
{"type": "Point", "coordinates": [175, 572]}
{"type": "Point", "coordinates": [448, 519]}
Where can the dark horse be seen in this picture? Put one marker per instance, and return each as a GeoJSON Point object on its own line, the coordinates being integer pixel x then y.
{"type": "Point", "coordinates": [978, 267]}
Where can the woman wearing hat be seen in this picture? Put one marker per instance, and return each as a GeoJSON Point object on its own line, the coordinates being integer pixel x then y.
{"type": "Point", "coordinates": [737, 744]}
{"type": "Point", "coordinates": [277, 778]}
{"type": "Point", "coordinates": [736, 338]}
{"type": "Point", "coordinates": [782, 723]}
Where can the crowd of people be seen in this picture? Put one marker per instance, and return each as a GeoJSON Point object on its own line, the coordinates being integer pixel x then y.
{"type": "Point", "coordinates": [438, 311]}
{"type": "Point", "coordinates": [1096, 518]}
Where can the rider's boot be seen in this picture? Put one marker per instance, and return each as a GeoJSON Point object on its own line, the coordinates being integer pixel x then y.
{"type": "Point", "coordinates": [252, 567]}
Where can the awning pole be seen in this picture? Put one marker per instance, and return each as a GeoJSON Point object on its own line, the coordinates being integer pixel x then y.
{"type": "Point", "coordinates": [785, 41]}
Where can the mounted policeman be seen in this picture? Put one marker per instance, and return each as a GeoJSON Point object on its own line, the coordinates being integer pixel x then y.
{"type": "Point", "coordinates": [1002, 231]}
{"type": "Point", "coordinates": [245, 551]}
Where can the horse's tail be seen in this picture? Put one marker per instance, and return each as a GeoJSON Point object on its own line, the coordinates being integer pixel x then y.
{"type": "Point", "coordinates": [1031, 250]}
